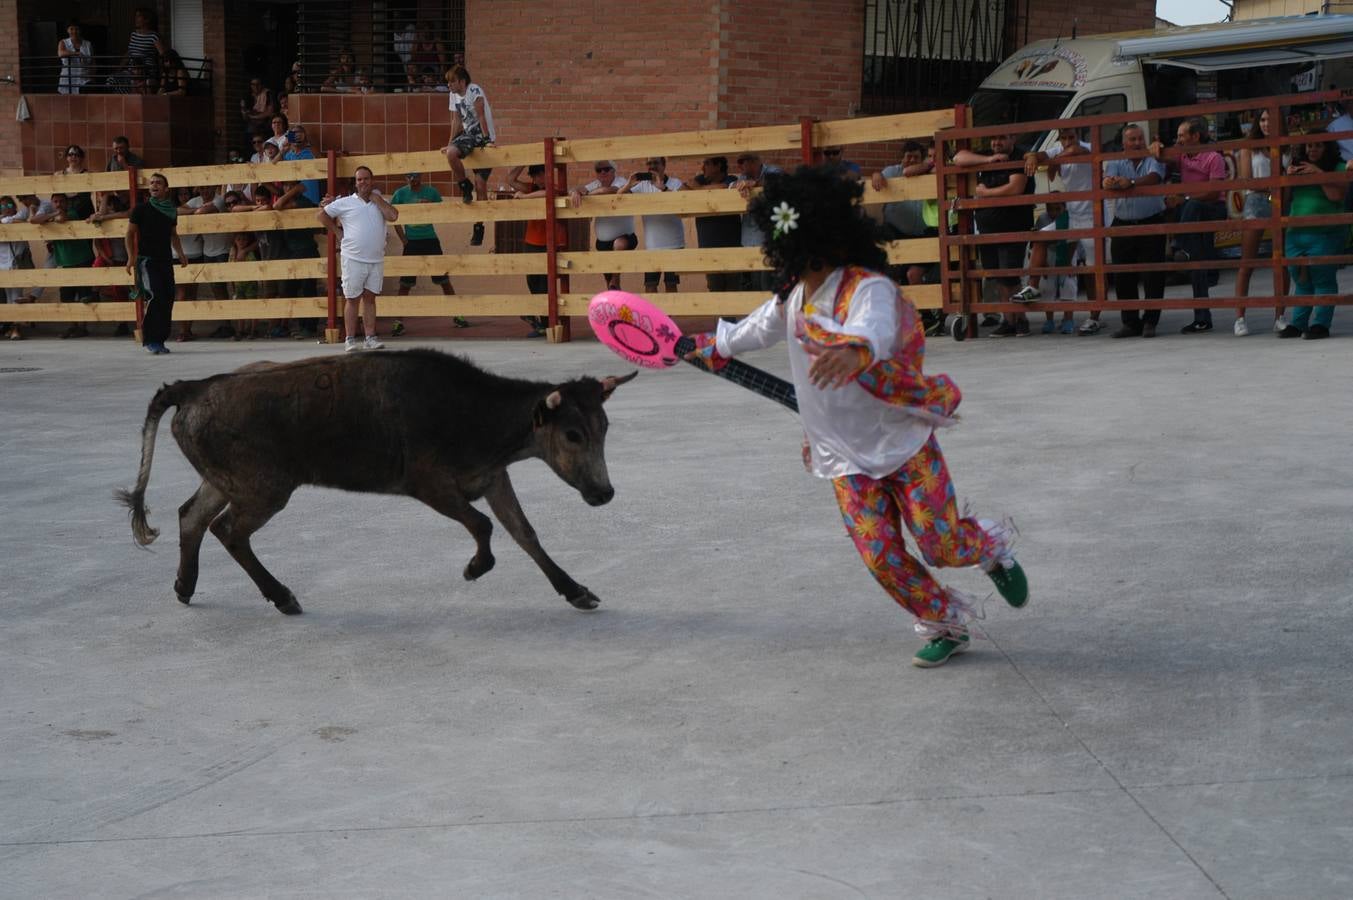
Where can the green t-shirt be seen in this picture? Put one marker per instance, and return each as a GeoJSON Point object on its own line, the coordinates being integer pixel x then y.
{"type": "Point", "coordinates": [426, 193]}
{"type": "Point", "coordinates": [74, 254]}
{"type": "Point", "coordinates": [1310, 200]}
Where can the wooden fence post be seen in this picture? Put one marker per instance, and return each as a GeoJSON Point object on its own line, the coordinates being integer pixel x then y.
{"type": "Point", "coordinates": [564, 332]}
{"type": "Point", "coordinates": [553, 332]}
{"type": "Point", "coordinates": [331, 278]}
{"type": "Point", "coordinates": [806, 139]}
{"type": "Point", "coordinates": [139, 304]}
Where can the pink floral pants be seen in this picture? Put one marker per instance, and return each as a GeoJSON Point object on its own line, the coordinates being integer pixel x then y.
{"type": "Point", "coordinates": [921, 495]}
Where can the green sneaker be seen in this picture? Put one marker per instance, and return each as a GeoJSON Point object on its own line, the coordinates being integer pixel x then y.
{"type": "Point", "coordinates": [398, 329]}
{"type": "Point", "coordinates": [938, 650]}
{"type": "Point", "coordinates": [1010, 581]}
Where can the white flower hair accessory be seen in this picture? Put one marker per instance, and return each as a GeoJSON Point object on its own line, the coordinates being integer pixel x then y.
{"type": "Point", "coordinates": [786, 219]}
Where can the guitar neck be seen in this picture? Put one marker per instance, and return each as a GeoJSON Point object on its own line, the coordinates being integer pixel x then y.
{"type": "Point", "coordinates": [750, 377]}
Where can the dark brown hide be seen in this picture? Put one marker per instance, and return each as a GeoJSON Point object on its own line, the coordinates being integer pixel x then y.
{"type": "Point", "coordinates": [419, 423]}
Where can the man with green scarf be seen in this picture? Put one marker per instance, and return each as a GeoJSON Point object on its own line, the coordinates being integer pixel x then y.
{"type": "Point", "coordinates": [151, 230]}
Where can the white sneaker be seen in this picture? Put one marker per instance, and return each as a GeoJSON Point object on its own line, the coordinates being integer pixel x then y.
{"type": "Point", "coordinates": [1026, 294]}
{"type": "Point", "coordinates": [351, 344]}
{"type": "Point", "coordinates": [1279, 323]}
{"type": "Point", "coordinates": [372, 343]}
{"type": "Point", "coordinates": [1241, 328]}
{"type": "Point", "coordinates": [1090, 326]}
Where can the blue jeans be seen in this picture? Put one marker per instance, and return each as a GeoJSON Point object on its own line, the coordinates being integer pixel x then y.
{"type": "Point", "coordinates": [1200, 246]}
{"type": "Point", "coordinates": [1310, 281]}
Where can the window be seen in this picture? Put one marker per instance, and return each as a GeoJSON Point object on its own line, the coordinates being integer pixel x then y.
{"type": "Point", "coordinates": [1110, 136]}
{"type": "Point", "coordinates": [381, 46]}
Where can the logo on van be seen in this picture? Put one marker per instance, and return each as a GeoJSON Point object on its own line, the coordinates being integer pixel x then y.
{"type": "Point", "coordinates": [1059, 67]}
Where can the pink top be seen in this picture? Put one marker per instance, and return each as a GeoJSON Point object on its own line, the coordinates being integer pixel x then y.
{"type": "Point", "coordinates": [1205, 166]}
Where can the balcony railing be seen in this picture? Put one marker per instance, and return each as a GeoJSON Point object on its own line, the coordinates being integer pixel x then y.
{"type": "Point", "coordinates": [114, 75]}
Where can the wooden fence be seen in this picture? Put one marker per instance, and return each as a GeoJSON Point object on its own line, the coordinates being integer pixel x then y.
{"type": "Point", "coordinates": [559, 303]}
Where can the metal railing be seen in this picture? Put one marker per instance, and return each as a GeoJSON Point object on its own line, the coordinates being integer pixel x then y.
{"type": "Point", "coordinates": [114, 75]}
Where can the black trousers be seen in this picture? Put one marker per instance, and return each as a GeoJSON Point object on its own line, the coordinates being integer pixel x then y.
{"type": "Point", "coordinates": [1149, 248]}
{"type": "Point", "coordinates": [155, 278]}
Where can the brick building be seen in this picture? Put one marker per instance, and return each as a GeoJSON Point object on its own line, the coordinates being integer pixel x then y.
{"type": "Point", "coordinates": [566, 67]}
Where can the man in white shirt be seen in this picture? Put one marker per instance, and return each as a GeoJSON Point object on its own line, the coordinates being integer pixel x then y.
{"type": "Point", "coordinates": [661, 232]}
{"type": "Point", "coordinates": [359, 220]}
{"type": "Point", "coordinates": [1344, 122]}
{"type": "Point", "coordinates": [471, 128]}
{"type": "Point", "coordinates": [215, 246]}
{"type": "Point", "coordinates": [613, 232]}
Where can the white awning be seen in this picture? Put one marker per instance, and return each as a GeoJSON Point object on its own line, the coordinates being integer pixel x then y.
{"type": "Point", "coordinates": [1257, 56]}
{"type": "Point", "coordinates": [1275, 33]}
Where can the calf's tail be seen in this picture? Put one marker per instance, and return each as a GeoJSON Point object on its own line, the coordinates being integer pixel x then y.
{"type": "Point", "coordinates": [170, 395]}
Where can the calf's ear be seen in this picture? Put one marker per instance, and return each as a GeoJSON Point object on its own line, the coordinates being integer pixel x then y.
{"type": "Point", "coordinates": [611, 382]}
{"type": "Point", "coordinates": [543, 408]}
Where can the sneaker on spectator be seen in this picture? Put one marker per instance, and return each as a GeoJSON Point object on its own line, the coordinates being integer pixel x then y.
{"type": "Point", "coordinates": [1022, 328]}
{"type": "Point", "coordinates": [938, 650]}
{"type": "Point", "coordinates": [1290, 331]}
{"type": "Point", "coordinates": [991, 319]}
{"type": "Point", "coordinates": [1279, 323]}
{"type": "Point", "coordinates": [1241, 328]}
{"type": "Point", "coordinates": [1196, 327]}
{"type": "Point", "coordinates": [1090, 326]}
{"type": "Point", "coordinates": [1026, 294]}
{"type": "Point", "coordinates": [398, 329]}
{"type": "Point", "coordinates": [372, 343]}
{"type": "Point", "coordinates": [351, 344]}
{"type": "Point", "coordinates": [460, 321]}
{"type": "Point", "coordinates": [1005, 329]}
{"type": "Point", "coordinates": [1181, 255]}
{"type": "Point", "coordinates": [1068, 326]}
{"type": "Point", "coordinates": [467, 190]}
{"type": "Point", "coordinates": [1050, 326]}
{"type": "Point", "coordinates": [477, 234]}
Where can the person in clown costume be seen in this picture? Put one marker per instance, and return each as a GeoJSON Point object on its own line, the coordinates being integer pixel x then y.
{"type": "Point", "coordinates": [869, 412]}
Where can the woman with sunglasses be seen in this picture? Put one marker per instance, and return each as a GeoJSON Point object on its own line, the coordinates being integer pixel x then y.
{"type": "Point", "coordinates": [79, 204]}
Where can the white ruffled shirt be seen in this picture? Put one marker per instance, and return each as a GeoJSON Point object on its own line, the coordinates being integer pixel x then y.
{"type": "Point", "coordinates": [849, 430]}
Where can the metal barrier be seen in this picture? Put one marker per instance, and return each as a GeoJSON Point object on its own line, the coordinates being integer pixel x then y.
{"type": "Point", "coordinates": [961, 279]}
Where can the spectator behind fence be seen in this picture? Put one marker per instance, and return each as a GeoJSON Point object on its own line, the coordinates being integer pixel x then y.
{"type": "Point", "coordinates": [174, 78]}
{"type": "Point", "coordinates": [1314, 158]}
{"type": "Point", "coordinates": [111, 252]}
{"type": "Point", "coordinates": [1013, 220]}
{"type": "Point", "coordinates": [912, 218]}
{"type": "Point", "coordinates": [280, 129]}
{"type": "Point", "coordinates": [1131, 212]}
{"type": "Point", "coordinates": [612, 232]}
{"type": "Point", "coordinates": [530, 183]}
{"type": "Point", "coordinates": [215, 245]}
{"type": "Point", "coordinates": [299, 148]}
{"type": "Point", "coordinates": [719, 230]}
{"type": "Point", "coordinates": [122, 157]}
{"type": "Point", "coordinates": [1256, 163]}
{"type": "Point", "coordinates": [835, 156]}
{"type": "Point", "coordinates": [360, 220]}
{"type": "Point", "coordinates": [663, 231]}
{"type": "Point", "coordinates": [1197, 166]}
{"type": "Point", "coordinates": [752, 174]}
{"type": "Point", "coordinates": [427, 50]}
{"type": "Point", "coordinates": [420, 240]}
{"type": "Point", "coordinates": [1077, 177]}
{"type": "Point", "coordinates": [1341, 123]}
{"type": "Point", "coordinates": [77, 60]}
{"type": "Point", "coordinates": [76, 253]}
{"type": "Point", "coordinates": [243, 248]}
{"type": "Point", "coordinates": [257, 112]}
{"type": "Point", "coordinates": [471, 128]}
{"type": "Point", "coordinates": [297, 243]}
{"type": "Point", "coordinates": [152, 243]}
{"type": "Point", "coordinates": [14, 255]}
{"type": "Point", "coordinates": [192, 243]}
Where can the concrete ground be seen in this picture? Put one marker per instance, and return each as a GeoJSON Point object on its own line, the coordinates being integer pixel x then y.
{"type": "Point", "coordinates": [1168, 718]}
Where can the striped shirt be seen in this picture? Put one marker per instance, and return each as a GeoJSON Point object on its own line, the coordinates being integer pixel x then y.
{"type": "Point", "coordinates": [141, 45]}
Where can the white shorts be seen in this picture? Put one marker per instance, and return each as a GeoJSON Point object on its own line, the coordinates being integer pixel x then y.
{"type": "Point", "coordinates": [1087, 246]}
{"type": "Point", "coordinates": [360, 276]}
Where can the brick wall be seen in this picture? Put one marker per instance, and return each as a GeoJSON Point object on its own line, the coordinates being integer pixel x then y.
{"type": "Point", "coordinates": [165, 131]}
{"type": "Point", "coordinates": [1050, 18]}
{"type": "Point", "coordinates": [11, 143]}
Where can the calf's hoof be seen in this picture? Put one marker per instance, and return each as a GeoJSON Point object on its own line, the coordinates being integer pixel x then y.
{"type": "Point", "coordinates": [184, 594]}
{"type": "Point", "coordinates": [585, 600]}
{"type": "Point", "coordinates": [288, 606]}
{"type": "Point", "coordinates": [477, 566]}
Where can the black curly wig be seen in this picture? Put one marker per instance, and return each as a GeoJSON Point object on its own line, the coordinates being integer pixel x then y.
{"type": "Point", "coordinates": [832, 228]}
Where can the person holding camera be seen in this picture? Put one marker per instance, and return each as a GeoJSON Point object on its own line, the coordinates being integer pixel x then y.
{"type": "Point", "coordinates": [661, 232]}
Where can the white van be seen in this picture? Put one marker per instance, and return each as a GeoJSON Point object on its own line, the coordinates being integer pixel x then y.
{"type": "Point", "coordinates": [1143, 70]}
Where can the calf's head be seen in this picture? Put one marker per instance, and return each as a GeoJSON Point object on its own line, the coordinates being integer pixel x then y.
{"type": "Point", "coordinates": [570, 433]}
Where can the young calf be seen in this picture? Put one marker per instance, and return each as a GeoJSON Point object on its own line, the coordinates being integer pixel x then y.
{"type": "Point", "coordinates": [420, 423]}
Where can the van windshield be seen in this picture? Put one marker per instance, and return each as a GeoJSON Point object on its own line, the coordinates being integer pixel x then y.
{"type": "Point", "coordinates": [996, 107]}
